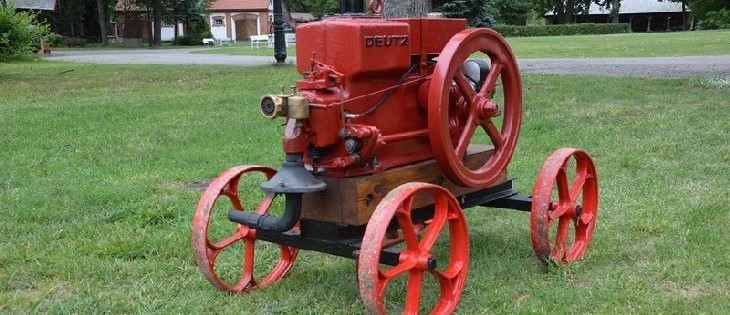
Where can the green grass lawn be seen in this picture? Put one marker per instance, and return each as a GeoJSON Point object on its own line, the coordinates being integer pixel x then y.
{"type": "Point", "coordinates": [96, 216]}
{"type": "Point", "coordinates": [582, 46]}
{"type": "Point", "coordinates": [623, 45]}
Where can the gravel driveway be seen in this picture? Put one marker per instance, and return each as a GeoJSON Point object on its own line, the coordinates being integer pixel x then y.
{"type": "Point", "coordinates": [653, 67]}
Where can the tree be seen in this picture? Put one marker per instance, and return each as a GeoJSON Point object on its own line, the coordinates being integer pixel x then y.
{"type": "Point", "coordinates": [157, 4]}
{"type": "Point", "coordinates": [318, 8]}
{"type": "Point", "coordinates": [566, 10]}
{"type": "Point", "coordinates": [410, 8]}
{"type": "Point", "coordinates": [101, 8]}
{"type": "Point", "coordinates": [477, 13]}
{"type": "Point", "coordinates": [512, 12]}
{"type": "Point", "coordinates": [615, 7]}
{"type": "Point", "coordinates": [700, 8]}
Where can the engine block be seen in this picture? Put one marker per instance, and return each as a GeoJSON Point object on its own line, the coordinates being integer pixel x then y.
{"type": "Point", "coordinates": [364, 83]}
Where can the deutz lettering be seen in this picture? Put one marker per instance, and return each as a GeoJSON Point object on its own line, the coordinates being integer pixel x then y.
{"type": "Point", "coordinates": [386, 40]}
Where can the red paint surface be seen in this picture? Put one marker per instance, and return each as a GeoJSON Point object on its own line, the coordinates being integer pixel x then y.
{"type": "Point", "coordinates": [420, 241]}
{"type": "Point", "coordinates": [350, 65]}
{"type": "Point", "coordinates": [456, 112]}
{"type": "Point", "coordinates": [574, 228]}
{"type": "Point", "coordinates": [225, 188]}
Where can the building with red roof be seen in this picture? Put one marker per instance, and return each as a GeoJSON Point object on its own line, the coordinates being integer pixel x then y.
{"type": "Point", "coordinates": [240, 19]}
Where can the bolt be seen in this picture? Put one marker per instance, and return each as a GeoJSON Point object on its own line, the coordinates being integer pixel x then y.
{"type": "Point", "coordinates": [578, 211]}
{"type": "Point", "coordinates": [352, 145]}
{"type": "Point", "coordinates": [432, 263]}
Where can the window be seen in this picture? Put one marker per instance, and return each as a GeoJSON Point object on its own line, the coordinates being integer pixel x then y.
{"type": "Point", "coordinates": [218, 21]}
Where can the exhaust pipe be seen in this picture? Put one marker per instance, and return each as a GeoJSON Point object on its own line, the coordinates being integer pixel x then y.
{"type": "Point", "coordinates": [292, 213]}
{"type": "Point", "coordinates": [292, 180]}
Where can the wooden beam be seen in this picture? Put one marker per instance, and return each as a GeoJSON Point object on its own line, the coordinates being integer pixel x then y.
{"type": "Point", "coordinates": [353, 200]}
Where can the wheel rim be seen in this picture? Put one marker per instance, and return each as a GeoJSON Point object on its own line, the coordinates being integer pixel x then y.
{"type": "Point", "coordinates": [413, 266]}
{"type": "Point", "coordinates": [456, 110]}
{"type": "Point", "coordinates": [575, 202]}
{"type": "Point", "coordinates": [207, 252]}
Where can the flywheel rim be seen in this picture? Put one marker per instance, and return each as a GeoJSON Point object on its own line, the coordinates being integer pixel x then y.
{"type": "Point", "coordinates": [447, 70]}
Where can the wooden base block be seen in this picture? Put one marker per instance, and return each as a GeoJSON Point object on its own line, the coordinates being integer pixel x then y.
{"type": "Point", "coordinates": [352, 200]}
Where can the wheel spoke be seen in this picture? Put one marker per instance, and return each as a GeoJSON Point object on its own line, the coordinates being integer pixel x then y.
{"type": "Point", "coordinates": [402, 267]}
{"type": "Point", "coordinates": [580, 180]}
{"type": "Point", "coordinates": [562, 181]}
{"type": "Point", "coordinates": [413, 292]}
{"type": "Point", "coordinates": [559, 211]}
{"type": "Point", "coordinates": [409, 231]}
{"type": "Point", "coordinates": [231, 191]}
{"type": "Point", "coordinates": [466, 135]}
{"type": "Point", "coordinates": [587, 218]}
{"type": "Point", "coordinates": [227, 241]}
{"type": "Point", "coordinates": [247, 277]}
{"type": "Point", "coordinates": [266, 203]}
{"type": "Point", "coordinates": [434, 229]}
{"type": "Point", "coordinates": [452, 271]}
{"type": "Point", "coordinates": [491, 80]}
{"type": "Point", "coordinates": [561, 238]}
{"type": "Point", "coordinates": [446, 284]}
{"type": "Point", "coordinates": [465, 88]}
{"type": "Point", "coordinates": [494, 134]}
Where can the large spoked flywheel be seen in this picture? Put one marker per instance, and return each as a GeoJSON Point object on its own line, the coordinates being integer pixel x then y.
{"type": "Point", "coordinates": [475, 102]}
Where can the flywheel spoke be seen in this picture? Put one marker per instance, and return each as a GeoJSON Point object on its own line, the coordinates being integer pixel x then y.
{"type": "Point", "coordinates": [491, 81]}
{"type": "Point", "coordinates": [467, 92]}
{"type": "Point", "coordinates": [493, 134]}
{"type": "Point", "coordinates": [466, 135]}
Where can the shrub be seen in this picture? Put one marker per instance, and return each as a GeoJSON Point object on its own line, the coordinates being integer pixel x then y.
{"type": "Point", "coordinates": [562, 29]}
{"type": "Point", "coordinates": [54, 39]}
{"type": "Point", "coordinates": [716, 20]}
{"type": "Point", "coordinates": [188, 40]}
{"type": "Point", "coordinates": [19, 32]}
{"type": "Point", "coordinates": [196, 30]}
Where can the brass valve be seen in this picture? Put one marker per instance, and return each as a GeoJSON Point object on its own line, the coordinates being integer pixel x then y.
{"type": "Point", "coordinates": [272, 106]}
{"type": "Point", "coordinates": [292, 106]}
{"type": "Point", "coordinates": [298, 107]}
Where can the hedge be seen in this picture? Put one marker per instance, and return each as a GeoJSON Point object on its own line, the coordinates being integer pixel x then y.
{"type": "Point", "coordinates": [562, 29]}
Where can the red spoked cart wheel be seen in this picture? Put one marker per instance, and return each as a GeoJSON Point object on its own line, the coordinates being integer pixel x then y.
{"type": "Point", "coordinates": [439, 247]}
{"type": "Point", "coordinates": [458, 107]}
{"type": "Point", "coordinates": [571, 204]}
{"type": "Point", "coordinates": [207, 249]}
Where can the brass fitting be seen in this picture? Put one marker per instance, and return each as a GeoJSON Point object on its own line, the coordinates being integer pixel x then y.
{"type": "Point", "coordinates": [292, 106]}
{"type": "Point", "coordinates": [298, 107]}
{"type": "Point", "coordinates": [272, 106]}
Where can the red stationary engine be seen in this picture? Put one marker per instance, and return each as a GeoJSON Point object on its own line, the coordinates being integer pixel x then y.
{"type": "Point", "coordinates": [377, 94]}
{"type": "Point", "coordinates": [405, 123]}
